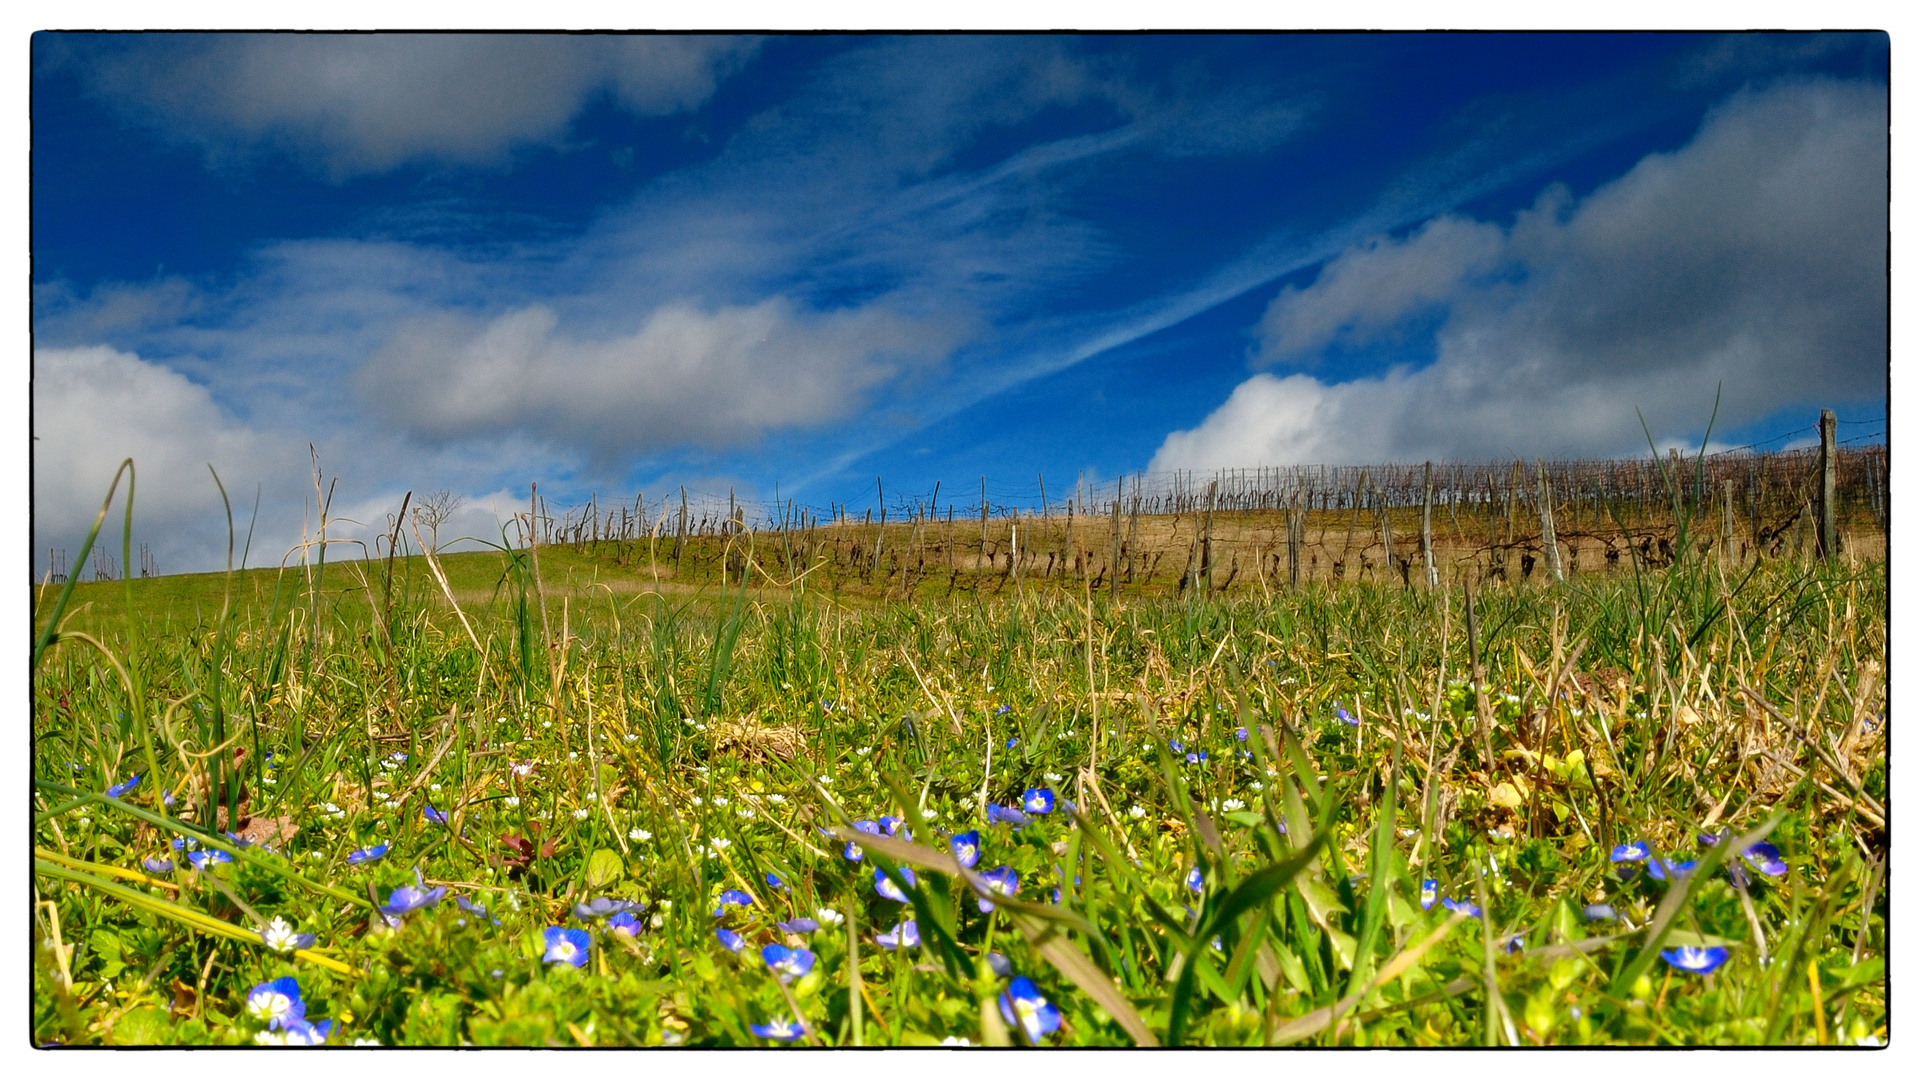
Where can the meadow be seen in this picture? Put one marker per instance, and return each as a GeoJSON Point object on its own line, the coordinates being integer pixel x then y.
{"type": "Point", "coordinates": [590, 795]}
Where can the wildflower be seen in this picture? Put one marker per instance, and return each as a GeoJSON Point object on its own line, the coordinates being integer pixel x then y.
{"type": "Point", "coordinates": [566, 946]}
{"type": "Point", "coordinates": [1516, 943]}
{"type": "Point", "coordinates": [1429, 892]}
{"type": "Point", "coordinates": [1693, 959]}
{"type": "Point", "coordinates": [277, 1002]}
{"type": "Point", "coordinates": [1193, 759]}
{"type": "Point", "coordinates": [1596, 912]}
{"type": "Point", "coordinates": [719, 844]}
{"type": "Point", "coordinates": [776, 798]}
{"type": "Point", "coordinates": [733, 897]}
{"type": "Point", "coordinates": [779, 1030]}
{"type": "Point", "coordinates": [1765, 858]}
{"type": "Point", "coordinates": [512, 801]}
{"type": "Point", "coordinates": [1240, 733]}
{"type": "Point", "coordinates": [956, 1040]}
{"type": "Point", "coordinates": [799, 924]}
{"type": "Point", "coordinates": [522, 769]}
{"type": "Point", "coordinates": [639, 834]}
{"type": "Point", "coordinates": [829, 917]}
{"type": "Point", "coordinates": [1344, 717]}
{"type": "Point", "coordinates": [1011, 743]}
{"type": "Point", "coordinates": [412, 898]}
{"type": "Point", "coordinates": [852, 851]}
{"type": "Point", "coordinates": [1037, 800]}
{"type": "Point", "coordinates": [304, 1033]}
{"type": "Point", "coordinates": [599, 908]}
{"type": "Point", "coordinates": [279, 937]}
{"type": "Point", "coordinates": [470, 907]}
{"type": "Point", "coordinates": [365, 855]}
{"type": "Point", "coordinates": [966, 848]}
{"type": "Point", "coordinates": [774, 881]}
{"type": "Point", "coordinates": [204, 859]}
{"type": "Point", "coordinates": [892, 825]}
{"type": "Point", "coordinates": [1002, 710]}
{"type": "Point", "coordinates": [888, 888]}
{"type": "Point", "coordinates": [787, 964]}
{"type": "Point", "coordinates": [1006, 815]}
{"type": "Point", "coordinates": [166, 798]}
{"type": "Point", "coordinates": [1470, 910]}
{"type": "Point", "coordinates": [1634, 852]}
{"type": "Point", "coordinates": [157, 866]}
{"type": "Point", "coordinates": [1001, 880]}
{"type": "Point", "coordinates": [1025, 1009]}
{"type": "Point", "coordinates": [729, 939]}
{"type": "Point", "coordinates": [1176, 746]}
{"type": "Point", "coordinates": [999, 964]}
{"type": "Point", "coordinates": [1659, 869]}
{"type": "Point", "coordinates": [1233, 804]}
{"type": "Point", "coordinates": [434, 816]}
{"type": "Point", "coordinates": [1194, 880]}
{"type": "Point", "coordinates": [904, 936]}
{"type": "Point", "coordinates": [1136, 811]}
{"type": "Point", "coordinates": [719, 800]}
{"type": "Point", "coordinates": [624, 922]}
{"type": "Point", "coordinates": [120, 789]}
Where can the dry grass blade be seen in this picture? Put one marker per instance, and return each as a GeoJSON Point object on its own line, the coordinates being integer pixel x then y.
{"type": "Point", "coordinates": [1311, 1024]}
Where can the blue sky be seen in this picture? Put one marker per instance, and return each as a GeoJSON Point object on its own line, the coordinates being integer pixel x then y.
{"type": "Point", "coordinates": [794, 264]}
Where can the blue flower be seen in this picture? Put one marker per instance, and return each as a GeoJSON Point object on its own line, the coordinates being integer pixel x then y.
{"type": "Point", "coordinates": [1177, 746]}
{"type": "Point", "coordinates": [729, 939]}
{"type": "Point", "coordinates": [117, 790]}
{"type": "Point", "coordinates": [1240, 733]}
{"type": "Point", "coordinates": [480, 910]}
{"type": "Point", "coordinates": [277, 1002]}
{"type": "Point", "coordinates": [1692, 958]}
{"type": "Point", "coordinates": [1516, 943]}
{"type": "Point", "coordinates": [774, 881]}
{"type": "Point", "coordinates": [1634, 852]}
{"type": "Point", "coordinates": [1429, 892]}
{"type": "Point", "coordinates": [566, 945]}
{"type": "Point", "coordinates": [1345, 717]}
{"type": "Point", "coordinates": [891, 824]}
{"type": "Point", "coordinates": [364, 855]}
{"type": "Point", "coordinates": [1002, 710]}
{"type": "Point", "coordinates": [185, 843]}
{"type": "Point", "coordinates": [852, 851]}
{"type": "Point", "coordinates": [1765, 858]}
{"type": "Point", "coordinates": [157, 866]}
{"type": "Point", "coordinates": [1658, 869]}
{"type": "Point", "coordinates": [733, 897]}
{"type": "Point", "coordinates": [1001, 880]}
{"type": "Point", "coordinates": [904, 936]}
{"type": "Point", "coordinates": [598, 908]}
{"type": "Point", "coordinates": [1708, 838]}
{"type": "Point", "coordinates": [624, 922]}
{"type": "Point", "coordinates": [1470, 910]}
{"type": "Point", "coordinates": [799, 925]}
{"type": "Point", "coordinates": [408, 898]}
{"type": "Point", "coordinates": [779, 1030]}
{"type": "Point", "coordinates": [1024, 1008]}
{"type": "Point", "coordinates": [210, 857]}
{"type": "Point", "coordinates": [787, 964]}
{"type": "Point", "coordinates": [434, 816]}
{"type": "Point", "coordinates": [886, 886]}
{"type": "Point", "coordinates": [1195, 882]}
{"type": "Point", "coordinates": [966, 848]}
{"type": "Point", "coordinates": [1193, 759]}
{"type": "Point", "coordinates": [166, 797]}
{"type": "Point", "coordinates": [1011, 743]}
{"type": "Point", "coordinates": [1037, 800]}
{"type": "Point", "coordinates": [1006, 815]}
{"type": "Point", "coordinates": [999, 964]}
{"type": "Point", "coordinates": [1597, 912]}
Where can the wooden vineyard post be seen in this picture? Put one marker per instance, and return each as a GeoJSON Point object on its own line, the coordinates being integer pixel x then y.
{"type": "Point", "coordinates": [1113, 561]}
{"type": "Point", "coordinates": [1206, 537]}
{"type": "Point", "coordinates": [1726, 521]}
{"type": "Point", "coordinates": [1547, 539]}
{"type": "Point", "coordinates": [1829, 538]}
{"type": "Point", "coordinates": [1294, 529]}
{"type": "Point", "coordinates": [1426, 528]}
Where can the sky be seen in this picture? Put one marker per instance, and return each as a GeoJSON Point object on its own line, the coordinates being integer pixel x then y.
{"type": "Point", "coordinates": [821, 268]}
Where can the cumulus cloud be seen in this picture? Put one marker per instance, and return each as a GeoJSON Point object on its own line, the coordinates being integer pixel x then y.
{"type": "Point", "coordinates": [1754, 257]}
{"type": "Point", "coordinates": [95, 407]}
{"type": "Point", "coordinates": [364, 103]}
{"type": "Point", "coordinates": [713, 378]}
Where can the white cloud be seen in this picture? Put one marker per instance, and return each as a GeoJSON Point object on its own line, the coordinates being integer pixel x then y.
{"type": "Point", "coordinates": [363, 103]}
{"type": "Point", "coordinates": [686, 376]}
{"type": "Point", "coordinates": [95, 407]}
{"type": "Point", "coordinates": [1754, 257]}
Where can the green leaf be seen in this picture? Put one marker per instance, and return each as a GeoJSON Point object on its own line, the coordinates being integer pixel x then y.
{"type": "Point", "coordinates": [604, 866]}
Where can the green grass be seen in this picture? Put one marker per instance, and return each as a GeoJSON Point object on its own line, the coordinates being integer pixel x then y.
{"type": "Point", "coordinates": [691, 739]}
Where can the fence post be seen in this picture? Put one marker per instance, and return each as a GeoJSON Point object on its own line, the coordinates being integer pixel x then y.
{"type": "Point", "coordinates": [1113, 563]}
{"type": "Point", "coordinates": [1829, 469]}
{"type": "Point", "coordinates": [1547, 539]}
{"type": "Point", "coordinates": [1426, 528]}
{"type": "Point", "coordinates": [1726, 521]}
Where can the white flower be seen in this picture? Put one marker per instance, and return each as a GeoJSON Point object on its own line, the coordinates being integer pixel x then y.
{"type": "Point", "coordinates": [630, 736]}
{"type": "Point", "coordinates": [719, 800]}
{"type": "Point", "coordinates": [1255, 785]}
{"type": "Point", "coordinates": [279, 936]}
{"type": "Point", "coordinates": [270, 1038]}
{"type": "Point", "coordinates": [1053, 776]}
{"type": "Point", "coordinates": [955, 1040]}
{"type": "Point", "coordinates": [826, 779]}
{"type": "Point", "coordinates": [666, 905]}
{"type": "Point", "coordinates": [639, 834]}
{"type": "Point", "coordinates": [433, 787]}
{"type": "Point", "coordinates": [502, 720]}
{"type": "Point", "coordinates": [1233, 804]}
{"type": "Point", "coordinates": [1136, 812]}
{"type": "Point", "coordinates": [512, 800]}
{"type": "Point", "coordinates": [699, 727]}
{"type": "Point", "coordinates": [546, 723]}
{"type": "Point", "coordinates": [719, 844]}
{"type": "Point", "coordinates": [864, 751]}
{"type": "Point", "coordinates": [829, 917]}
{"type": "Point", "coordinates": [573, 755]}
{"type": "Point", "coordinates": [582, 814]}
{"type": "Point", "coordinates": [744, 812]}
{"type": "Point", "coordinates": [698, 801]}
{"type": "Point", "coordinates": [376, 1042]}
{"type": "Point", "coordinates": [659, 920]}
{"type": "Point", "coordinates": [776, 798]}
{"type": "Point", "coordinates": [931, 814]}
